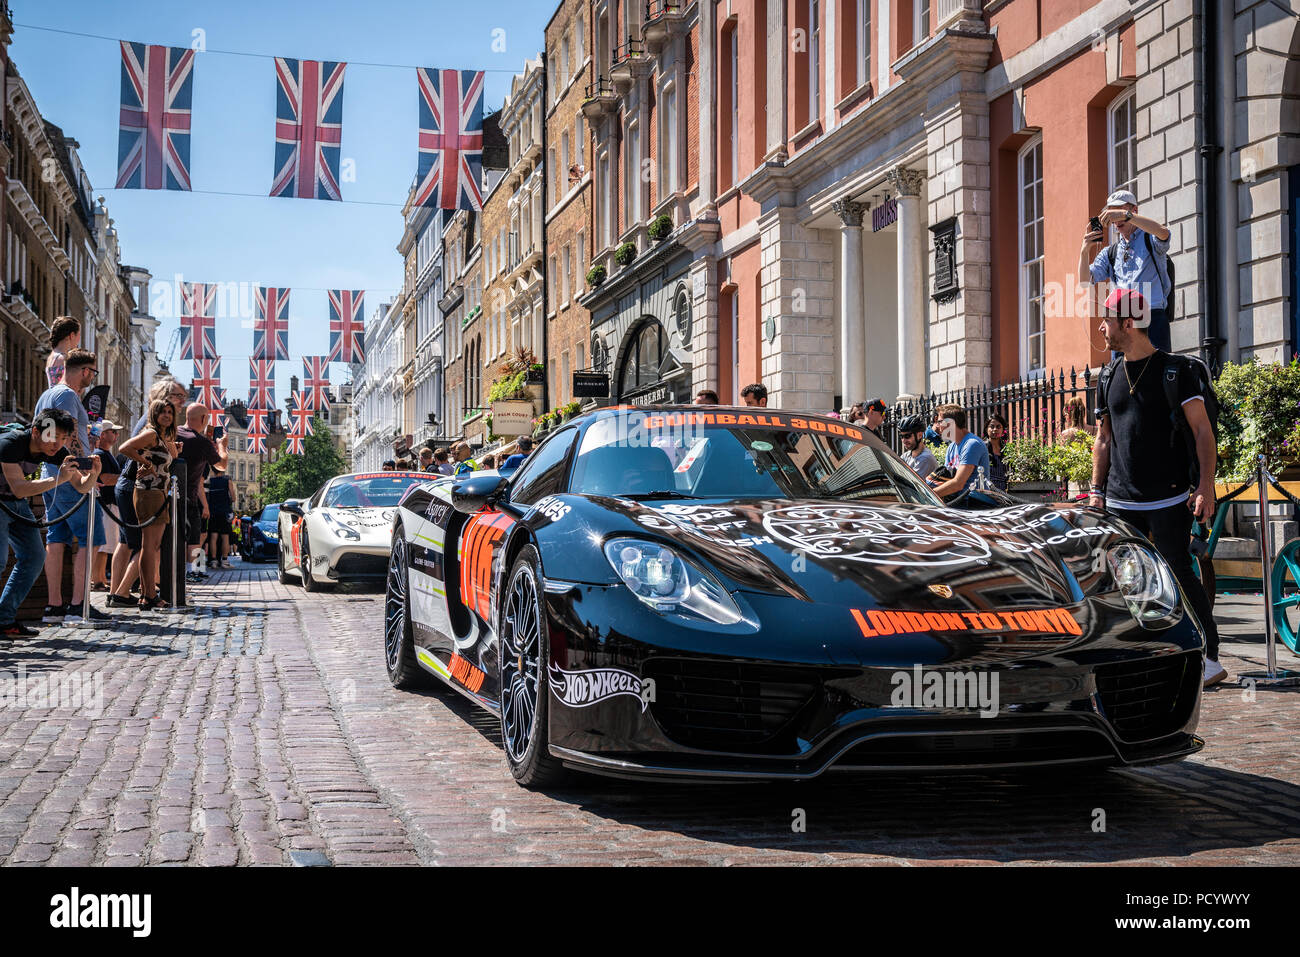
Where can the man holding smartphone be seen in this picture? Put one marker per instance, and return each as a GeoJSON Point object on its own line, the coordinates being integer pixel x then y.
{"type": "Point", "coordinates": [199, 453]}
{"type": "Point", "coordinates": [20, 452]}
{"type": "Point", "coordinates": [78, 375]}
{"type": "Point", "coordinates": [1139, 260]}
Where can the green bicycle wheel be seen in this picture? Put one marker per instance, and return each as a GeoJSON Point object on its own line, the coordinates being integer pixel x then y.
{"type": "Point", "coordinates": [1286, 594]}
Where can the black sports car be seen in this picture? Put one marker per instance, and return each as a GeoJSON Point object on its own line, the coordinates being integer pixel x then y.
{"type": "Point", "coordinates": [259, 536]}
{"type": "Point", "coordinates": [745, 593]}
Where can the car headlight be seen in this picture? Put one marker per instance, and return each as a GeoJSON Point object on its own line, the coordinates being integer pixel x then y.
{"type": "Point", "coordinates": [1146, 582]}
{"type": "Point", "coordinates": [339, 529]}
{"type": "Point", "coordinates": [669, 583]}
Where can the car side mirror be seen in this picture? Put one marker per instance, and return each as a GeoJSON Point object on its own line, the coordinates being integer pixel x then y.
{"type": "Point", "coordinates": [293, 506]}
{"type": "Point", "coordinates": [470, 495]}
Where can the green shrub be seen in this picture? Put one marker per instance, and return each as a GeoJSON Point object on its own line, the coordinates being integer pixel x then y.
{"type": "Point", "coordinates": [661, 228]}
{"type": "Point", "coordinates": [1259, 409]}
{"type": "Point", "coordinates": [1028, 460]}
{"type": "Point", "coordinates": [596, 275]}
{"type": "Point", "coordinates": [625, 254]}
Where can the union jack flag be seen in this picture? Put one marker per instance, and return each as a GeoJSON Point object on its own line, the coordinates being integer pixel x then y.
{"type": "Point", "coordinates": [271, 324]}
{"type": "Point", "coordinates": [296, 443]}
{"type": "Point", "coordinates": [347, 329]}
{"type": "Point", "coordinates": [217, 419]}
{"type": "Point", "coordinates": [153, 131]}
{"type": "Point", "coordinates": [315, 380]}
{"type": "Point", "coordinates": [206, 388]}
{"type": "Point", "coordinates": [451, 139]}
{"type": "Point", "coordinates": [257, 430]}
{"type": "Point", "coordinates": [308, 128]}
{"type": "Point", "coordinates": [198, 320]}
{"type": "Point", "coordinates": [261, 384]}
{"type": "Point", "coordinates": [301, 416]}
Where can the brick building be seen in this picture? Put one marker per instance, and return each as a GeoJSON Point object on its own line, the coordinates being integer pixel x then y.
{"type": "Point", "coordinates": [568, 213]}
{"type": "Point", "coordinates": [644, 99]}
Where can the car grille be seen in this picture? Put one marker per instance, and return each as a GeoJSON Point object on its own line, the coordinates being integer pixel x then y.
{"type": "Point", "coordinates": [730, 706]}
{"type": "Point", "coordinates": [973, 748]}
{"type": "Point", "coordinates": [361, 566]}
{"type": "Point", "coordinates": [1149, 698]}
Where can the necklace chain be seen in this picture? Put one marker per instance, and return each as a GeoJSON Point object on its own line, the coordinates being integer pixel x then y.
{"type": "Point", "coordinates": [1133, 383]}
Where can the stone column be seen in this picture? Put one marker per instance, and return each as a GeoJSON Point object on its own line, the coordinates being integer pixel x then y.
{"type": "Point", "coordinates": [911, 281]}
{"type": "Point", "coordinates": [853, 332]}
{"type": "Point", "coordinates": [777, 58]}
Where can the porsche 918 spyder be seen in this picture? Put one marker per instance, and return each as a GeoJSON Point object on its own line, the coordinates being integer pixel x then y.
{"type": "Point", "coordinates": [342, 532]}
{"type": "Point", "coordinates": [754, 594]}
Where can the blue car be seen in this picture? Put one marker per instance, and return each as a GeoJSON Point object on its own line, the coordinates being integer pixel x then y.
{"type": "Point", "coordinates": [260, 537]}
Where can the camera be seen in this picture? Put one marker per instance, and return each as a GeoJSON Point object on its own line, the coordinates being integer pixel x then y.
{"type": "Point", "coordinates": [1094, 225]}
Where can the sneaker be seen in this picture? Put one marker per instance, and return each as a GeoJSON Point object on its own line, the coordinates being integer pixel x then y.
{"type": "Point", "coordinates": [55, 613]}
{"type": "Point", "coordinates": [1213, 673]}
{"type": "Point", "coordinates": [16, 629]}
{"type": "Point", "coordinates": [194, 578]}
{"type": "Point", "coordinates": [73, 615]}
{"type": "Point", "coordinates": [97, 615]}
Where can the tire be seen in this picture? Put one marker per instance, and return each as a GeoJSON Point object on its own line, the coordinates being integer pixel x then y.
{"type": "Point", "coordinates": [525, 700]}
{"type": "Point", "coordinates": [279, 563]}
{"type": "Point", "coordinates": [309, 584]}
{"type": "Point", "coordinates": [404, 672]}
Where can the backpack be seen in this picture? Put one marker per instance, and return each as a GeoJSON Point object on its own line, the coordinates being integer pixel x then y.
{"type": "Point", "coordinates": [1174, 364]}
{"type": "Point", "coordinates": [1113, 248]}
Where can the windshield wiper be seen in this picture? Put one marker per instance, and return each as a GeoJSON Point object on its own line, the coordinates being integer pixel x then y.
{"type": "Point", "coordinates": [660, 493]}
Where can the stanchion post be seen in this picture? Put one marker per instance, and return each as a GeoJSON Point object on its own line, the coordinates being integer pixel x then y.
{"type": "Point", "coordinates": [89, 557]}
{"type": "Point", "coordinates": [1271, 676]}
{"type": "Point", "coordinates": [175, 545]}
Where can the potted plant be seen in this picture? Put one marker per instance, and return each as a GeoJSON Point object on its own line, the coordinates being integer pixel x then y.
{"type": "Point", "coordinates": [1030, 473]}
{"type": "Point", "coordinates": [596, 275]}
{"type": "Point", "coordinates": [1072, 462]}
{"type": "Point", "coordinates": [1259, 404]}
{"type": "Point", "coordinates": [625, 254]}
{"type": "Point", "coordinates": [661, 228]}
{"type": "Point", "coordinates": [536, 373]}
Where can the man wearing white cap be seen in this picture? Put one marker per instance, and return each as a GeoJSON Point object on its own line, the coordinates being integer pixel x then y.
{"type": "Point", "coordinates": [1139, 260]}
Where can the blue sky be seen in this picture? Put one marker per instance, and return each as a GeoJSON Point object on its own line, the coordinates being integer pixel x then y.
{"type": "Point", "coordinates": [307, 245]}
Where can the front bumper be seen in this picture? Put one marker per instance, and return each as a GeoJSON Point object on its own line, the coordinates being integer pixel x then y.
{"type": "Point", "coordinates": [816, 699]}
{"type": "Point", "coordinates": [351, 561]}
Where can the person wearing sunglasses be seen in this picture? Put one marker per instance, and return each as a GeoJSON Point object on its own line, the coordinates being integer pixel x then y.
{"type": "Point", "coordinates": [78, 373]}
{"type": "Point", "coordinates": [1138, 260]}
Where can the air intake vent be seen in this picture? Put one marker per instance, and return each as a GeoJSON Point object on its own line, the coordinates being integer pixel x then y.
{"type": "Point", "coordinates": [1150, 698]}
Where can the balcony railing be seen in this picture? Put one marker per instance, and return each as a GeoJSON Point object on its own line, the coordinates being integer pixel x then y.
{"type": "Point", "coordinates": [628, 51]}
{"type": "Point", "coordinates": [602, 87]}
{"type": "Point", "coordinates": [654, 9]}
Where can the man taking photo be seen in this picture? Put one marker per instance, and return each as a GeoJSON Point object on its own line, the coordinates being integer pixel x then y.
{"type": "Point", "coordinates": [78, 375]}
{"type": "Point", "coordinates": [20, 453]}
{"type": "Point", "coordinates": [1138, 261]}
{"type": "Point", "coordinates": [1141, 460]}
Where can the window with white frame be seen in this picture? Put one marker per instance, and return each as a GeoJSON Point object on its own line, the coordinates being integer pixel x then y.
{"type": "Point", "coordinates": [1122, 130]}
{"type": "Point", "coordinates": [920, 20]}
{"type": "Point", "coordinates": [606, 198]}
{"type": "Point", "coordinates": [864, 41]}
{"type": "Point", "coordinates": [562, 174]}
{"type": "Point", "coordinates": [582, 253]}
{"type": "Point", "coordinates": [733, 148]}
{"type": "Point", "coordinates": [668, 142]}
{"type": "Point", "coordinates": [580, 353]}
{"type": "Point", "coordinates": [632, 178]}
{"type": "Point", "coordinates": [1032, 320]}
{"type": "Point", "coordinates": [566, 264]}
{"type": "Point", "coordinates": [565, 379]}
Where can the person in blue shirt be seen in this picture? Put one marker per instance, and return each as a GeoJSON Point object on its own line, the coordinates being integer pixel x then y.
{"type": "Point", "coordinates": [1140, 260]}
{"type": "Point", "coordinates": [966, 455]}
{"type": "Point", "coordinates": [525, 449]}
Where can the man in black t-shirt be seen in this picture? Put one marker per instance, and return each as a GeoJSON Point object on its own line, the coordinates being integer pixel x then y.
{"type": "Point", "coordinates": [1141, 465]}
{"type": "Point", "coordinates": [20, 454]}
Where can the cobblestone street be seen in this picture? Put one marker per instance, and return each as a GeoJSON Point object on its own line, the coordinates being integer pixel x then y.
{"type": "Point", "coordinates": [260, 728]}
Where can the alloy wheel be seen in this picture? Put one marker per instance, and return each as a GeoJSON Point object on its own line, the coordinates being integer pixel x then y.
{"type": "Point", "coordinates": [520, 665]}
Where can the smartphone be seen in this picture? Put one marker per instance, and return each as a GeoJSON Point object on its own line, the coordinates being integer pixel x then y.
{"type": "Point", "coordinates": [1094, 225]}
{"type": "Point", "coordinates": [218, 431]}
{"type": "Point", "coordinates": [83, 462]}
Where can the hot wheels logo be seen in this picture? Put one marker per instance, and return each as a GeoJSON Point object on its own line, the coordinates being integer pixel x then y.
{"type": "Point", "coordinates": [581, 689]}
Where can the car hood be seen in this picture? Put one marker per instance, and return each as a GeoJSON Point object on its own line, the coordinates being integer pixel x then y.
{"type": "Point", "coordinates": [889, 555]}
{"type": "Point", "coordinates": [363, 519]}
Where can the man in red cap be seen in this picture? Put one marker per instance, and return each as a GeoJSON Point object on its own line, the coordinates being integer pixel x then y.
{"type": "Point", "coordinates": [1141, 462]}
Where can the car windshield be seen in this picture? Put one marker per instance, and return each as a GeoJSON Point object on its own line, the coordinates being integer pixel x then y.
{"type": "Point", "coordinates": [377, 490]}
{"type": "Point", "coordinates": [735, 455]}
{"type": "Point", "coordinates": [270, 514]}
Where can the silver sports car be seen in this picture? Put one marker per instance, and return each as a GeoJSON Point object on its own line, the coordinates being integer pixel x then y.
{"type": "Point", "coordinates": [343, 532]}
